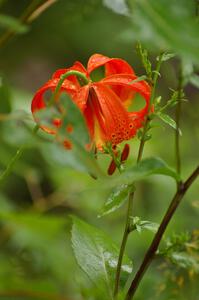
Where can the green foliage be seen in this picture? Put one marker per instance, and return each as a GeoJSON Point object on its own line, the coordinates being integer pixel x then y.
{"type": "Point", "coordinates": [140, 78]}
{"type": "Point", "coordinates": [116, 199]}
{"type": "Point", "coordinates": [97, 255]}
{"type": "Point", "coordinates": [182, 250]}
{"type": "Point", "coordinates": [78, 158]}
{"type": "Point", "coordinates": [35, 254]}
{"type": "Point", "coordinates": [170, 26]}
{"type": "Point", "coordinates": [167, 119]}
{"type": "Point", "coordinates": [11, 23]}
{"type": "Point", "coordinates": [145, 61]}
{"type": "Point", "coordinates": [72, 116]}
{"type": "Point", "coordinates": [145, 168]}
{"type": "Point", "coordinates": [139, 225]}
{"type": "Point", "coordinates": [32, 241]}
{"type": "Point", "coordinates": [166, 56]}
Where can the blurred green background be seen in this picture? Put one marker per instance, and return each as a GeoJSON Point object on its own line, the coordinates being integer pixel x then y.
{"type": "Point", "coordinates": [36, 259]}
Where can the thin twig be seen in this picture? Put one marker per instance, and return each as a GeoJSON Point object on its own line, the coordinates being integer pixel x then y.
{"type": "Point", "coordinates": [27, 16]}
{"type": "Point", "coordinates": [9, 167]}
{"type": "Point", "coordinates": [182, 189]}
{"type": "Point", "coordinates": [123, 244]}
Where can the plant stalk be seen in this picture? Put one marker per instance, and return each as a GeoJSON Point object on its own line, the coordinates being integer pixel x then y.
{"type": "Point", "coordinates": [123, 244]}
{"type": "Point", "coordinates": [147, 123]}
{"type": "Point", "coordinates": [182, 189]}
{"type": "Point", "coordinates": [131, 195]}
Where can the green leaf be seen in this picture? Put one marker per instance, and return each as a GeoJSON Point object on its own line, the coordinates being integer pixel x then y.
{"type": "Point", "coordinates": [97, 255]}
{"type": "Point", "coordinates": [69, 113]}
{"type": "Point", "coordinates": [194, 80]}
{"type": "Point", "coordinates": [11, 23]}
{"type": "Point", "coordinates": [140, 78]}
{"type": "Point", "coordinates": [78, 157]}
{"type": "Point", "coordinates": [166, 56]}
{"type": "Point", "coordinates": [151, 226]}
{"type": "Point", "coordinates": [185, 260]}
{"type": "Point", "coordinates": [145, 60]}
{"type": "Point", "coordinates": [140, 171]}
{"type": "Point", "coordinates": [168, 120]}
{"type": "Point", "coordinates": [139, 225]}
{"type": "Point", "coordinates": [72, 116]}
{"type": "Point", "coordinates": [116, 199]}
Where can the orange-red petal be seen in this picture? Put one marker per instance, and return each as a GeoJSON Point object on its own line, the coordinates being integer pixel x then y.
{"type": "Point", "coordinates": [126, 80]}
{"type": "Point", "coordinates": [141, 87]}
{"type": "Point", "coordinates": [112, 65]}
{"type": "Point", "coordinates": [80, 97]}
{"type": "Point", "coordinates": [77, 66]}
{"type": "Point", "coordinates": [114, 120]}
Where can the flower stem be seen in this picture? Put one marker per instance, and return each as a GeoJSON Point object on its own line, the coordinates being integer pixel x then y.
{"type": "Point", "coordinates": [182, 189]}
{"type": "Point", "coordinates": [123, 244]}
{"type": "Point", "coordinates": [82, 77]}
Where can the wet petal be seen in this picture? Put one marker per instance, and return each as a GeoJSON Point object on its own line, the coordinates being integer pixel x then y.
{"type": "Point", "coordinates": [112, 65]}
{"type": "Point", "coordinates": [140, 87]}
{"type": "Point", "coordinates": [81, 97]}
{"type": "Point", "coordinates": [76, 67]}
{"type": "Point", "coordinates": [114, 119]}
{"type": "Point", "coordinates": [126, 80]}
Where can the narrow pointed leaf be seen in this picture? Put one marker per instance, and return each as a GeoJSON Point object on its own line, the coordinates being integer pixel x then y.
{"type": "Point", "coordinates": [168, 120]}
{"type": "Point", "coordinates": [116, 199]}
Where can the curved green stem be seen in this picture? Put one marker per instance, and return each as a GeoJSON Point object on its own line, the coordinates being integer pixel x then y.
{"type": "Point", "coordinates": [83, 80]}
{"type": "Point", "coordinates": [123, 244]}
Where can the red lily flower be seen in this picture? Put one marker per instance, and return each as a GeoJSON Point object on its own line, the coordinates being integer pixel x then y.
{"type": "Point", "coordinates": [103, 103]}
